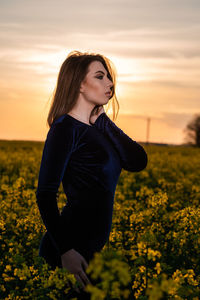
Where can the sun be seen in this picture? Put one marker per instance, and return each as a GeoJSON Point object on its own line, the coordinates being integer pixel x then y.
{"type": "Point", "coordinates": [128, 70]}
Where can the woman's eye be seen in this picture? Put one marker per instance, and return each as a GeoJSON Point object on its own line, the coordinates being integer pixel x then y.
{"type": "Point", "coordinates": [100, 77]}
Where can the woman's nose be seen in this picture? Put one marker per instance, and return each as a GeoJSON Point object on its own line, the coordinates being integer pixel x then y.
{"type": "Point", "coordinates": [110, 84]}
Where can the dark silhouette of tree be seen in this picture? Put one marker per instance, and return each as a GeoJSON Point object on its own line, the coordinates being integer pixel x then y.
{"type": "Point", "coordinates": [192, 131]}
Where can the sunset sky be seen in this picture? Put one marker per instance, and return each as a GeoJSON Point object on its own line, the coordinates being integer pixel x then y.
{"type": "Point", "coordinates": [154, 45]}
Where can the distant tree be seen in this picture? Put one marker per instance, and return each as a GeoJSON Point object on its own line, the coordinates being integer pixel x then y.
{"type": "Point", "coordinates": [192, 131]}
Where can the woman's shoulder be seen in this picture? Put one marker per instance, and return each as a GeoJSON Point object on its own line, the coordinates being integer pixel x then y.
{"type": "Point", "coordinates": [63, 122]}
{"type": "Point", "coordinates": [67, 125]}
{"type": "Point", "coordinates": [61, 119]}
{"type": "Point", "coordinates": [61, 126]}
{"type": "Point", "coordinates": [62, 134]}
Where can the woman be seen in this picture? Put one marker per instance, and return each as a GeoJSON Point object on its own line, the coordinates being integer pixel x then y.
{"type": "Point", "coordinates": [85, 151]}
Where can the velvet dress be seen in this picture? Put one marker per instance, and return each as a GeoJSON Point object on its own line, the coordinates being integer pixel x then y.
{"type": "Point", "coordinates": [88, 160]}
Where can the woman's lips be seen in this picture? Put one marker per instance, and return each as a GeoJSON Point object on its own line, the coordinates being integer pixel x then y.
{"type": "Point", "coordinates": [108, 94]}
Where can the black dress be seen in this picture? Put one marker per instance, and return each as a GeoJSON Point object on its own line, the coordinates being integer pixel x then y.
{"type": "Point", "coordinates": [88, 160]}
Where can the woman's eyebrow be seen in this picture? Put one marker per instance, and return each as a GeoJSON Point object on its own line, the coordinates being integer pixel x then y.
{"type": "Point", "coordinates": [100, 72]}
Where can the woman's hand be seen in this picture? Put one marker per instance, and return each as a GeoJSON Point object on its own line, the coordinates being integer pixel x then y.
{"type": "Point", "coordinates": [75, 263]}
{"type": "Point", "coordinates": [97, 111]}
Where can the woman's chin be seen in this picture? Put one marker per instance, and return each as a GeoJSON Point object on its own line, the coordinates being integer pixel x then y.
{"type": "Point", "coordinates": [106, 100]}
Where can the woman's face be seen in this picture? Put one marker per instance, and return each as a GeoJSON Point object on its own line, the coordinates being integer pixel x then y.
{"type": "Point", "coordinates": [96, 84]}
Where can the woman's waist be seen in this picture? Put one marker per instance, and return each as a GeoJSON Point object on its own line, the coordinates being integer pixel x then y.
{"type": "Point", "coordinates": [92, 220]}
{"type": "Point", "coordinates": [89, 200]}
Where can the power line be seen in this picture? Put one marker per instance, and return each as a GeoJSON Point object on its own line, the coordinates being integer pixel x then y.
{"type": "Point", "coordinates": [148, 130]}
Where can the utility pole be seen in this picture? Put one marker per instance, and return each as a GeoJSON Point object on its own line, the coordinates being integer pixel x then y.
{"type": "Point", "coordinates": [148, 129]}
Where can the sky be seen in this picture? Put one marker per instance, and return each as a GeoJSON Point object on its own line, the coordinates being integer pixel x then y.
{"type": "Point", "coordinates": [154, 45]}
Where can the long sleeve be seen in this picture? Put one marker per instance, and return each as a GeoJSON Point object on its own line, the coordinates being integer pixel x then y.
{"type": "Point", "coordinates": [56, 153]}
{"type": "Point", "coordinates": [132, 155]}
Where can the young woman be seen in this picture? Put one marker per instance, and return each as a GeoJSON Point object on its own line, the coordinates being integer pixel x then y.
{"type": "Point", "coordinates": [86, 151]}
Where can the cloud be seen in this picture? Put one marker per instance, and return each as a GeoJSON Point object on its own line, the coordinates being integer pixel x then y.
{"type": "Point", "coordinates": [176, 120]}
{"type": "Point", "coordinates": [156, 45]}
{"type": "Point", "coordinates": [165, 83]}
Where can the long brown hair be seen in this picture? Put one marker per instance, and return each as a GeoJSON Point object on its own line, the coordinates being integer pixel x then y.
{"type": "Point", "coordinates": [72, 72]}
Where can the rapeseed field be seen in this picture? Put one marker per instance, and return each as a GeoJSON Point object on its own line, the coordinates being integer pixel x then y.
{"type": "Point", "coordinates": [154, 247]}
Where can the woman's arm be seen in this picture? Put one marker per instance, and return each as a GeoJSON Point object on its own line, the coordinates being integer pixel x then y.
{"type": "Point", "coordinates": [132, 154]}
{"type": "Point", "coordinates": [56, 153]}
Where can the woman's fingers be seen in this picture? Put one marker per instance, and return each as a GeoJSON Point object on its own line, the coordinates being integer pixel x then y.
{"type": "Point", "coordinates": [84, 276]}
{"type": "Point", "coordinates": [79, 279]}
{"type": "Point", "coordinates": [76, 287]}
{"type": "Point", "coordinates": [85, 264]}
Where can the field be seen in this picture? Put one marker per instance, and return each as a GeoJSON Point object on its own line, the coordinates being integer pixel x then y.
{"type": "Point", "coordinates": [154, 248]}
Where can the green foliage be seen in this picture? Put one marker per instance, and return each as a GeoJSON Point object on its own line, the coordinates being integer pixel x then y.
{"type": "Point", "coordinates": [154, 243]}
{"type": "Point", "coordinates": [112, 274]}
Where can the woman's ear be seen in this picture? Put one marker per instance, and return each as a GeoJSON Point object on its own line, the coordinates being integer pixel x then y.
{"type": "Point", "coordinates": [81, 90]}
{"type": "Point", "coordinates": [82, 86]}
